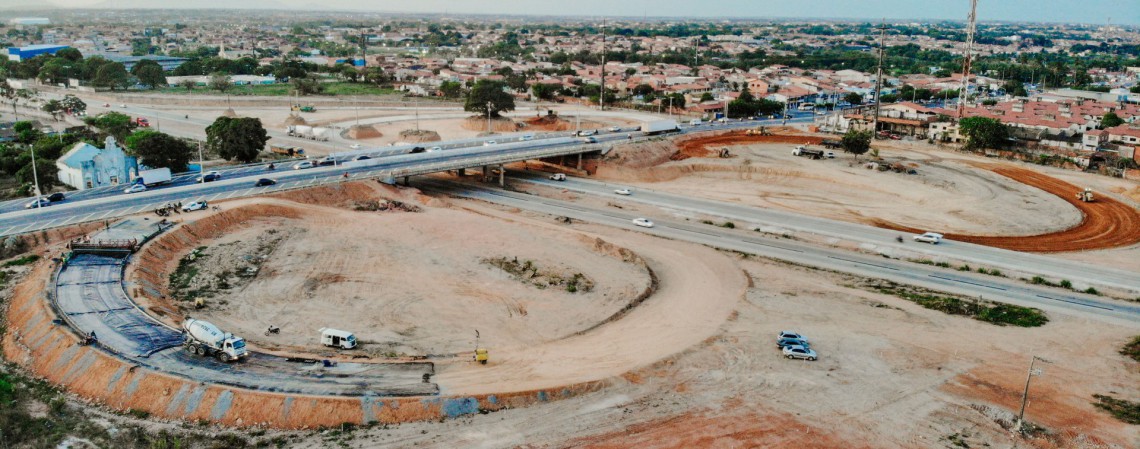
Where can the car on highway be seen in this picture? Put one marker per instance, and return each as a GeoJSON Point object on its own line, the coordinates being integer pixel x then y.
{"type": "Point", "coordinates": [38, 202]}
{"type": "Point", "coordinates": [106, 105]}
{"type": "Point", "coordinates": [614, 129]}
{"type": "Point", "coordinates": [327, 161]}
{"type": "Point", "coordinates": [56, 197]}
{"type": "Point", "coordinates": [489, 143]}
{"type": "Point", "coordinates": [790, 334]}
{"type": "Point", "coordinates": [590, 139]}
{"type": "Point", "coordinates": [361, 158]}
{"type": "Point", "coordinates": [932, 238]}
{"type": "Point", "coordinates": [197, 205]}
{"type": "Point", "coordinates": [303, 165]}
{"type": "Point", "coordinates": [210, 176]}
{"type": "Point", "coordinates": [123, 106]}
{"type": "Point", "coordinates": [264, 182]}
{"type": "Point", "coordinates": [355, 146]}
{"type": "Point", "coordinates": [785, 342]}
{"type": "Point", "coordinates": [417, 150]}
{"type": "Point", "coordinates": [587, 132]}
{"type": "Point", "coordinates": [136, 188]}
{"type": "Point", "coordinates": [800, 352]}
{"type": "Point", "coordinates": [434, 149]}
{"type": "Point", "coordinates": [527, 137]}
{"type": "Point", "coordinates": [623, 192]}
{"type": "Point", "coordinates": [643, 222]}
{"type": "Point", "coordinates": [558, 177]}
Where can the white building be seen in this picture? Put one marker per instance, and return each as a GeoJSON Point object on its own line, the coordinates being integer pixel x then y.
{"type": "Point", "coordinates": [85, 166]}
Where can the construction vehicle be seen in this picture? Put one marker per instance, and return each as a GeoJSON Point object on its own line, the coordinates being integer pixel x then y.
{"type": "Point", "coordinates": [481, 355]}
{"type": "Point", "coordinates": [761, 131]}
{"type": "Point", "coordinates": [808, 153]}
{"type": "Point", "coordinates": [205, 339]}
{"type": "Point", "coordinates": [142, 122]}
{"type": "Point", "coordinates": [306, 108]}
{"type": "Point", "coordinates": [1086, 195]}
{"type": "Point", "coordinates": [288, 151]}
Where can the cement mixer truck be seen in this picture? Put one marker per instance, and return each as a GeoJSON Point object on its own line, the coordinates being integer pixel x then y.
{"type": "Point", "coordinates": [207, 340]}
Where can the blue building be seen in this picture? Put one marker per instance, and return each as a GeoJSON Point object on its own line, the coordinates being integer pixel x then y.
{"type": "Point", "coordinates": [21, 53]}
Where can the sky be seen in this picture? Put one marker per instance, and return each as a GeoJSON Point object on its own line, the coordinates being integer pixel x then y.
{"type": "Point", "coordinates": [1082, 11]}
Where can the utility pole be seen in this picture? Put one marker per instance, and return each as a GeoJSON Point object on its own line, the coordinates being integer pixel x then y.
{"type": "Point", "coordinates": [489, 117]}
{"type": "Point", "coordinates": [1025, 394]}
{"type": "Point", "coordinates": [879, 77]}
{"type": "Point", "coordinates": [602, 92]}
{"type": "Point", "coordinates": [971, 28]}
{"type": "Point", "coordinates": [35, 177]}
{"type": "Point", "coordinates": [201, 161]}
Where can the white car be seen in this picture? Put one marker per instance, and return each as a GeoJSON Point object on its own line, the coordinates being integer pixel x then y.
{"type": "Point", "coordinates": [433, 149]}
{"type": "Point", "coordinates": [800, 352]}
{"type": "Point", "coordinates": [789, 334]}
{"type": "Point", "coordinates": [528, 137]}
{"type": "Point", "coordinates": [829, 155]}
{"type": "Point", "coordinates": [38, 202]}
{"type": "Point", "coordinates": [932, 238]}
{"type": "Point", "coordinates": [586, 132]}
{"type": "Point", "coordinates": [489, 143]}
{"type": "Point", "coordinates": [355, 146]}
{"type": "Point", "coordinates": [303, 165]}
{"type": "Point", "coordinates": [135, 188]}
{"type": "Point", "coordinates": [558, 177]}
{"type": "Point", "coordinates": [623, 192]}
{"type": "Point", "coordinates": [614, 129]}
{"type": "Point", "coordinates": [643, 222]}
{"type": "Point", "coordinates": [197, 205]}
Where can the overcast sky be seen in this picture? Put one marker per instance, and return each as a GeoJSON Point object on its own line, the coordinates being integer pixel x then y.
{"type": "Point", "coordinates": [1084, 11]}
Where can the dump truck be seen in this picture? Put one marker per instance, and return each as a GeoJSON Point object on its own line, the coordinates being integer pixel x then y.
{"type": "Point", "coordinates": [299, 130]}
{"type": "Point", "coordinates": [653, 127]}
{"type": "Point", "coordinates": [306, 108]}
{"type": "Point", "coordinates": [288, 151]}
{"type": "Point", "coordinates": [153, 177]}
{"type": "Point", "coordinates": [321, 134]}
{"type": "Point", "coordinates": [1085, 195]}
{"type": "Point", "coordinates": [807, 152]}
{"type": "Point", "coordinates": [207, 340]}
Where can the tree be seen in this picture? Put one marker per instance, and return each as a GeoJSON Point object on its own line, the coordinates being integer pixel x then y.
{"type": "Point", "coordinates": [857, 142]}
{"type": "Point", "coordinates": [156, 149]}
{"type": "Point", "coordinates": [149, 73]}
{"type": "Point", "coordinates": [451, 89]}
{"type": "Point", "coordinates": [307, 85]}
{"type": "Point", "coordinates": [486, 92]}
{"type": "Point", "coordinates": [707, 97]}
{"type": "Point", "coordinates": [188, 84]}
{"type": "Point", "coordinates": [642, 89]}
{"type": "Point", "coordinates": [112, 75]}
{"type": "Point", "coordinates": [239, 138]}
{"type": "Point", "coordinates": [1111, 120]}
{"type": "Point", "coordinates": [984, 132]}
{"type": "Point", "coordinates": [220, 82]}
{"type": "Point", "coordinates": [350, 73]}
{"type": "Point", "coordinates": [72, 104]}
{"type": "Point", "coordinates": [674, 100]}
{"type": "Point", "coordinates": [53, 107]}
{"type": "Point", "coordinates": [376, 75]}
{"type": "Point", "coordinates": [853, 98]}
{"type": "Point", "coordinates": [115, 124]}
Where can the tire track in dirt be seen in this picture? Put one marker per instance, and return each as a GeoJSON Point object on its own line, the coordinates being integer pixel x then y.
{"type": "Point", "coordinates": [1106, 223]}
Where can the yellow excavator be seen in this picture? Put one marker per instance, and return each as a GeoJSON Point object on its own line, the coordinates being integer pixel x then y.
{"type": "Point", "coordinates": [480, 352]}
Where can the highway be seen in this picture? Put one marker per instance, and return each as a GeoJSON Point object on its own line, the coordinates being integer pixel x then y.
{"type": "Point", "coordinates": [752, 217]}
{"type": "Point", "coordinates": [970, 284]}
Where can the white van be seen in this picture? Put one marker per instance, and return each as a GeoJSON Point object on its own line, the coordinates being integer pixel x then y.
{"type": "Point", "coordinates": [806, 106]}
{"type": "Point", "coordinates": [695, 122]}
{"type": "Point", "coordinates": [337, 338]}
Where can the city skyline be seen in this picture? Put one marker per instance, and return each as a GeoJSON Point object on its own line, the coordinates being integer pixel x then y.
{"type": "Point", "coordinates": [1094, 12]}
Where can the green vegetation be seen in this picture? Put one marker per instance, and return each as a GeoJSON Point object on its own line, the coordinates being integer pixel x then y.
{"type": "Point", "coordinates": [994, 313]}
{"type": "Point", "coordinates": [1132, 349]}
{"type": "Point", "coordinates": [287, 89]}
{"type": "Point", "coordinates": [857, 142]}
{"type": "Point", "coordinates": [28, 259]}
{"type": "Point", "coordinates": [180, 280]}
{"type": "Point", "coordinates": [984, 132]}
{"type": "Point", "coordinates": [1123, 410]}
{"type": "Point", "coordinates": [487, 92]}
{"type": "Point", "coordinates": [240, 138]}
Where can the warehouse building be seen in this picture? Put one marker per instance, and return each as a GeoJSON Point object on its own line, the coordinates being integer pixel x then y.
{"type": "Point", "coordinates": [27, 52]}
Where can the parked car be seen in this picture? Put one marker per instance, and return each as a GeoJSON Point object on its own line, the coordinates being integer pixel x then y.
{"type": "Point", "coordinates": [303, 165]}
{"type": "Point", "coordinates": [829, 155]}
{"type": "Point", "coordinates": [264, 182]}
{"type": "Point", "coordinates": [800, 352]}
{"type": "Point", "coordinates": [197, 205]}
{"type": "Point", "coordinates": [558, 177]}
{"type": "Point", "coordinates": [790, 334]}
{"type": "Point", "coordinates": [136, 188]}
{"type": "Point", "coordinates": [57, 196]}
{"type": "Point", "coordinates": [932, 238]}
{"type": "Point", "coordinates": [38, 202]}
{"type": "Point", "coordinates": [785, 342]}
{"type": "Point", "coordinates": [209, 176]}
{"type": "Point", "coordinates": [643, 222]}
{"type": "Point", "coordinates": [623, 192]}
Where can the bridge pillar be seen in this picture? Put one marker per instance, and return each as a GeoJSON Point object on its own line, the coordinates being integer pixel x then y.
{"type": "Point", "coordinates": [462, 172]}
{"type": "Point", "coordinates": [486, 173]}
{"type": "Point", "coordinates": [502, 176]}
{"type": "Point", "coordinates": [407, 181]}
{"type": "Point", "coordinates": [579, 161]}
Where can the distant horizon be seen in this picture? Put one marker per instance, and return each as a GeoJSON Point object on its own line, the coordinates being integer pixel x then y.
{"type": "Point", "coordinates": [1090, 12]}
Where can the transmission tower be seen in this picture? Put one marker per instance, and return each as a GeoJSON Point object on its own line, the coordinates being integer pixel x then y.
{"type": "Point", "coordinates": [971, 28]}
{"type": "Point", "coordinates": [879, 76]}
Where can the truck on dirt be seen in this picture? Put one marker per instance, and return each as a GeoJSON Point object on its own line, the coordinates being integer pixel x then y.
{"type": "Point", "coordinates": [652, 127]}
{"type": "Point", "coordinates": [153, 177]}
{"type": "Point", "coordinates": [807, 152]}
{"type": "Point", "coordinates": [207, 340]}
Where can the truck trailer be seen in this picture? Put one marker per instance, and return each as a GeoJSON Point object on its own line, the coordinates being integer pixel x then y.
{"type": "Point", "coordinates": [207, 340]}
{"type": "Point", "coordinates": [653, 127]}
{"type": "Point", "coordinates": [153, 177]}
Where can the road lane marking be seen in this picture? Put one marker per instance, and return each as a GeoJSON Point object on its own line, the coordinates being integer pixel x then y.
{"type": "Point", "coordinates": [771, 245]}
{"type": "Point", "coordinates": [1075, 302]}
{"type": "Point", "coordinates": [871, 264]}
{"type": "Point", "coordinates": [968, 282]}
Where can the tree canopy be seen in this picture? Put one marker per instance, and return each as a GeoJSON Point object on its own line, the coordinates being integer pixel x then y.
{"type": "Point", "coordinates": [857, 142]}
{"type": "Point", "coordinates": [115, 124]}
{"type": "Point", "coordinates": [240, 138]}
{"type": "Point", "coordinates": [984, 132]}
{"type": "Point", "coordinates": [1111, 120]}
{"type": "Point", "coordinates": [489, 92]}
{"type": "Point", "coordinates": [155, 149]}
{"type": "Point", "coordinates": [112, 75]}
{"type": "Point", "coordinates": [149, 73]}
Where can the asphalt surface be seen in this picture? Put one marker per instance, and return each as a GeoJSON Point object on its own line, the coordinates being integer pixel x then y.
{"type": "Point", "coordinates": [90, 295]}
{"type": "Point", "coordinates": [751, 217]}
{"type": "Point", "coordinates": [993, 288]}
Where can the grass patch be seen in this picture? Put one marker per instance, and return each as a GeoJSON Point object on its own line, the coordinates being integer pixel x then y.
{"type": "Point", "coordinates": [1126, 411]}
{"type": "Point", "coordinates": [31, 258]}
{"type": "Point", "coordinates": [1132, 349]}
{"type": "Point", "coordinates": [993, 313]}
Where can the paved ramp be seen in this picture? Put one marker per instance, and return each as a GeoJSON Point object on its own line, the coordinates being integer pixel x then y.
{"type": "Point", "coordinates": [89, 292]}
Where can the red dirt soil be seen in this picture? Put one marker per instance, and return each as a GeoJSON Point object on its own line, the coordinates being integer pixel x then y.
{"type": "Point", "coordinates": [699, 146]}
{"type": "Point", "coordinates": [1107, 223]}
{"type": "Point", "coordinates": [691, 431]}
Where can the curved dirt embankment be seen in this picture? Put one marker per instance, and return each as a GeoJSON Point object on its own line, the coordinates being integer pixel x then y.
{"type": "Point", "coordinates": [1107, 223]}
{"type": "Point", "coordinates": [698, 146]}
{"type": "Point", "coordinates": [646, 161]}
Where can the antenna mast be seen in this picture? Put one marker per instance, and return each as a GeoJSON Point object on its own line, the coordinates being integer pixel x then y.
{"type": "Point", "coordinates": [971, 28]}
